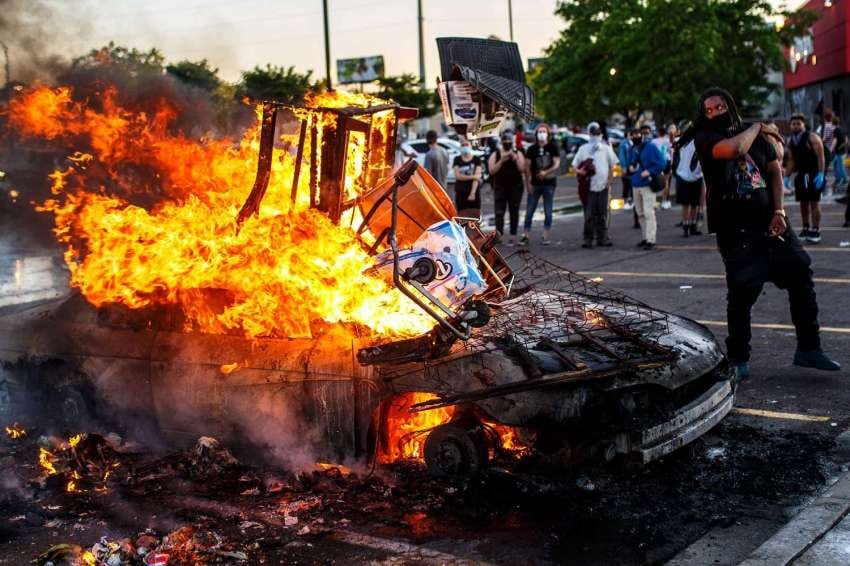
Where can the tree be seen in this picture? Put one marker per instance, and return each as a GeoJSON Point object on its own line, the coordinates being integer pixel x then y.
{"type": "Point", "coordinates": [131, 61]}
{"type": "Point", "coordinates": [405, 90]}
{"type": "Point", "coordinates": [275, 83]}
{"type": "Point", "coordinates": [630, 56]}
{"type": "Point", "coordinates": [197, 74]}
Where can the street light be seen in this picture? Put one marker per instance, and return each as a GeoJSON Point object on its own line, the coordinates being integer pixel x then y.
{"type": "Point", "coordinates": [612, 71]}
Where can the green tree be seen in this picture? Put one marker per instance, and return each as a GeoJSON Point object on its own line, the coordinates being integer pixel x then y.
{"type": "Point", "coordinates": [630, 56]}
{"type": "Point", "coordinates": [131, 61]}
{"type": "Point", "coordinates": [284, 84]}
{"type": "Point", "coordinates": [198, 74]}
{"type": "Point", "coordinates": [405, 90]}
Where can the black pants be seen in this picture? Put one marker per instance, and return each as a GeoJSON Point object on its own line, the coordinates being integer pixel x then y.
{"type": "Point", "coordinates": [510, 198]}
{"type": "Point", "coordinates": [752, 260]}
{"type": "Point", "coordinates": [627, 186]}
{"type": "Point", "coordinates": [596, 216]}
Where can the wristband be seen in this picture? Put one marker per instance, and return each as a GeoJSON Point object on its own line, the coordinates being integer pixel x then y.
{"type": "Point", "coordinates": [780, 212]}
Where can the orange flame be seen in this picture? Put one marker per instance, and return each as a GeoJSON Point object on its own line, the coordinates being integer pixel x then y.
{"type": "Point", "coordinates": [287, 271]}
{"type": "Point", "coordinates": [47, 461]}
{"type": "Point", "coordinates": [15, 431]}
{"type": "Point", "coordinates": [407, 431]}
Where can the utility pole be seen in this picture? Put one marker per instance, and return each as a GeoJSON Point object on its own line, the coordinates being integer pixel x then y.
{"type": "Point", "coordinates": [421, 46]}
{"type": "Point", "coordinates": [6, 68]}
{"type": "Point", "coordinates": [327, 46]}
{"type": "Point", "coordinates": [511, 19]}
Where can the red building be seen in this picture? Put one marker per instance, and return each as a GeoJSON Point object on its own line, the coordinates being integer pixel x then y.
{"type": "Point", "coordinates": [820, 63]}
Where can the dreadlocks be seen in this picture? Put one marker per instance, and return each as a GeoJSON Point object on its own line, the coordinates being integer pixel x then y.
{"type": "Point", "coordinates": [702, 121]}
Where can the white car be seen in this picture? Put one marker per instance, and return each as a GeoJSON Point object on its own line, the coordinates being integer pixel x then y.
{"type": "Point", "coordinates": [419, 147]}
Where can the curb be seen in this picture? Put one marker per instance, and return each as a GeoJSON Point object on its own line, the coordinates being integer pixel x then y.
{"type": "Point", "coordinates": [805, 529]}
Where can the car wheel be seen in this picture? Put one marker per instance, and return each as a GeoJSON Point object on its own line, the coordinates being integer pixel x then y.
{"type": "Point", "coordinates": [71, 407]}
{"type": "Point", "coordinates": [453, 450]}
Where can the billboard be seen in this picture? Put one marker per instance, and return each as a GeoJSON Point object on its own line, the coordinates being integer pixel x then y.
{"type": "Point", "coordinates": [359, 70]}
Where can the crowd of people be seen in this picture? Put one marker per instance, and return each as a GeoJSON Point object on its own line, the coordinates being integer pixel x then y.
{"type": "Point", "coordinates": [738, 173]}
{"type": "Point", "coordinates": [653, 166]}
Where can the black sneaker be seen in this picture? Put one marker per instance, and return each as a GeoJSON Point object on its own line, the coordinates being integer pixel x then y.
{"type": "Point", "coordinates": [695, 231]}
{"type": "Point", "coordinates": [649, 246]}
{"type": "Point", "coordinates": [641, 244]}
{"type": "Point", "coordinates": [587, 244]}
{"type": "Point", "coordinates": [607, 243]}
{"type": "Point", "coordinates": [523, 241]}
{"type": "Point", "coordinates": [813, 237]}
{"type": "Point", "coordinates": [804, 233]}
{"type": "Point", "coordinates": [815, 359]}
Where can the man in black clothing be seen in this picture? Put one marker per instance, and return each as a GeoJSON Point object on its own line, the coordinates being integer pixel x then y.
{"type": "Point", "coordinates": [467, 169]}
{"type": "Point", "coordinates": [807, 159]}
{"type": "Point", "coordinates": [744, 181]}
{"type": "Point", "coordinates": [507, 165]}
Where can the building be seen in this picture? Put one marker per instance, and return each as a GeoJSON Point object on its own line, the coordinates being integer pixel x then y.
{"type": "Point", "coordinates": [819, 73]}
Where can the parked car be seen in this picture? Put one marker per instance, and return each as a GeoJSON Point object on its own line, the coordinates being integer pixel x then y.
{"type": "Point", "coordinates": [419, 147]}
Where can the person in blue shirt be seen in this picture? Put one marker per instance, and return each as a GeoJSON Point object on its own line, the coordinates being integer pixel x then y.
{"type": "Point", "coordinates": [627, 154]}
{"type": "Point", "coordinates": [646, 169]}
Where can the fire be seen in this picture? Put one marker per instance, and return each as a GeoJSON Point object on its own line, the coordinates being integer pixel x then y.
{"type": "Point", "coordinates": [79, 463]}
{"type": "Point", "coordinates": [47, 462]}
{"type": "Point", "coordinates": [286, 272]}
{"type": "Point", "coordinates": [406, 431]}
{"type": "Point", "coordinates": [15, 431]}
{"type": "Point", "coordinates": [227, 369]}
{"type": "Point", "coordinates": [594, 317]}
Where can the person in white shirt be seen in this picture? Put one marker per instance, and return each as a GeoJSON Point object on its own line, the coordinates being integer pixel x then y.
{"type": "Point", "coordinates": [594, 166]}
{"type": "Point", "coordinates": [689, 187]}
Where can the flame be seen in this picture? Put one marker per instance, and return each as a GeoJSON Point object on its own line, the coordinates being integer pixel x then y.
{"type": "Point", "coordinates": [325, 466]}
{"type": "Point", "coordinates": [406, 431]}
{"type": "Point", "coordinates": [287, 272]}
{"type": "Point", "coordinates": [594, 317]}
{"type": "Point", "coordinates": [88, 558]}
{"type": "Point", "coordinates": [71, 486]}
{"type": "Point", "coordinates": [227, 369]}
{"type": "Point", "coordinates": [74, 440]}
{"type": "Point", "coordinates": [15, 431]}
{"type": "Point", "coordinates": [47, 461]}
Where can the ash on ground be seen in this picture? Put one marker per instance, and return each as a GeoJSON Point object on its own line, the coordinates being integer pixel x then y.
{"type": "Point", "coordinates": [205, 506]}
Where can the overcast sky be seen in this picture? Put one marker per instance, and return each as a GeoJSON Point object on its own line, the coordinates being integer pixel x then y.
{"type": "Point", "coordinates": [238, 34]}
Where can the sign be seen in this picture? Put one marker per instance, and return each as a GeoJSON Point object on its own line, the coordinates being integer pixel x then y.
{"type": "Point", "coordinates": [359, 70]}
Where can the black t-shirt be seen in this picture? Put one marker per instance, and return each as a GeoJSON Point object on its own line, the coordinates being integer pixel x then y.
{"type": "Point", "coordinates": [738, 196]}
{"type": "Point", "coordinates": [840, 140]}
{"type": "Point", "coordinates": [542, 158]}
{"type": "Point", "coordinates": [508, 176]}
{"type": "Point", "coordinates": [466, 168]}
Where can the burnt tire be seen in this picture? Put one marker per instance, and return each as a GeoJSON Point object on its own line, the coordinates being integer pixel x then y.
{"type": "Point", "coordinates": [453, 450]}
{"type": "Point", "coordinates": [71, 408]}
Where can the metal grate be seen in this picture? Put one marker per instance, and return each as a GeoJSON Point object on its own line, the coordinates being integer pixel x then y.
{"type": "Point", "coordinates": [556, 321]}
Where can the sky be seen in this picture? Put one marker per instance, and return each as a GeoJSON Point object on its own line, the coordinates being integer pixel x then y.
{"type": "Point", "coordinates": [237, 34]}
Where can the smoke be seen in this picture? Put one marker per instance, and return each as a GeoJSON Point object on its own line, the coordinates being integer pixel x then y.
{"type": "Point", "coordinates": [37, 36]}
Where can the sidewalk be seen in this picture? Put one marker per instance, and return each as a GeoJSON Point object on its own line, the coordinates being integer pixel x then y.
{"type": "Point", "coordinates": [819, 534]}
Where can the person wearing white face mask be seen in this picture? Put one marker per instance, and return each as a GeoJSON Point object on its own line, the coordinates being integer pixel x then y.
{"type": "Point", "coordinates": [594, 164]}
{"type": "Point", "coordinates": [544, 160]}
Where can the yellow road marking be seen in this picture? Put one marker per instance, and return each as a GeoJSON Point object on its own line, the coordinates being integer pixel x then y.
{"type": "Point", "coordinates": [814, 248]}
{"type": "Point", "coordinates": [836, 280]}
{"type": "Point", "coordinates": [773, 326]}
{"type": "Point", "coordinates": [780, 415]}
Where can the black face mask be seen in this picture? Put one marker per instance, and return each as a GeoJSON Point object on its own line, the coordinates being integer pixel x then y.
{"type": "Point", "coordinates": [721, 123]}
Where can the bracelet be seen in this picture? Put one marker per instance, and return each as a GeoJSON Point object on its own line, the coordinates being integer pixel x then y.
{"type": "Point", "coordinates": [780, 212]}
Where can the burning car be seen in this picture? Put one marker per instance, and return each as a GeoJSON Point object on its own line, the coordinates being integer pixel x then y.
{"type": "Point", "coordinates": [311, 304]}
